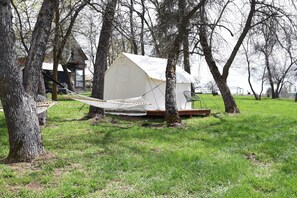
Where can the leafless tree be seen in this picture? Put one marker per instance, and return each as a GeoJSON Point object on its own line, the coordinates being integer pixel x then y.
{"type": "Point", "coordinates": [172, 115]}
{"type": "Point", "coordinates": [100, 65]}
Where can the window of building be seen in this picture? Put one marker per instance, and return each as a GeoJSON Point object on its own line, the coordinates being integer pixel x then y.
{"type": "Point", "coordinates": [79, 78]}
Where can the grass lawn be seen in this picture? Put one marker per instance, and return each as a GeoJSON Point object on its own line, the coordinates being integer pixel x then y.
{"type": "Point", "coordinates": [253, 154]}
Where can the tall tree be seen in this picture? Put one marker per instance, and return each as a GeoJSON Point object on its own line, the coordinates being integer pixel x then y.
{"type": "Point", "coordinates": [101, 56]}
{"type": "Point", "coordinates": [25, 142]}
{"type": "Point", "coordinates": [133, 39]}
{"type": "Point", "coordinates": [37, 49]}
{"type": "Point", "coordinates": [62, 32]}
{"type": "Point", "coordinates": [172, 116]}
{"type": "Point", "coordinates": [221, 79]}
{"type": "Point", "coordinates": [277, 45]}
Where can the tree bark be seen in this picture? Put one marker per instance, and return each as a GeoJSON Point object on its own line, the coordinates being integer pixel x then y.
{"type": "Point", "coordinates": [186, 52]}
{"type": "Point", "coordinates": [172, 115]}
{"type": "Point", "coordinates": [32, 77]}
{"type": "Point", "coordinates": [42, 98]}
{"type": "Point", "coordinates": [249, 74]}
{"type": "Point", "coordinates": [59, 45]}
{"type": "Point", "coordinates": [25, 141]}
{"type": "Point", "coordinates": [221, 79]}
{"type": "Point", "coordinates": [133, 39]}
{"type": "Point", "coordinates": [37, 50]}
{"type": "Point", "coordinates": [269, 72]}
{"type": "Point", "coordinates": [229, 102]}
{"type": "Point", "coordinates": [142, 27]}
{"type": "Point", "coordinates": [55, 54]}
{"type": "Point", "coordinates": [101, 57]}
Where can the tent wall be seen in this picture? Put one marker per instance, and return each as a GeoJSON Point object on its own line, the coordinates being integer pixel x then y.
{"type": "Point", "coordinates": [124, 80]}
{"type": "Point", "coordinates": [156, 95]}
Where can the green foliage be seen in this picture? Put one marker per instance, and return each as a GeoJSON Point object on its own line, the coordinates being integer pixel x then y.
{"type": "Point", "coordinates": [252, 154]}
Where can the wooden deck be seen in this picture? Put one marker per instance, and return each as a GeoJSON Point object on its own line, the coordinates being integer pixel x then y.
{"type": "Point", "coordinates": [192, 112]}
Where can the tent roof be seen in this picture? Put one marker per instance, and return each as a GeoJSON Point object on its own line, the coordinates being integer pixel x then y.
{"type": "Point", "coordinates": [155, 68]}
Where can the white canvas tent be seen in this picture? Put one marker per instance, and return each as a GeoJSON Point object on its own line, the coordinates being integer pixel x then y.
{"type": "Point", "coordinates": [134, 75]}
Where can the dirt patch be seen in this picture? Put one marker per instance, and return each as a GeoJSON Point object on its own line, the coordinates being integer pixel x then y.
{"type": "Point", "coordinates": [34, 187]}
{"type": "Point", "coordinates": [22, 167]}
{"type": "Point", "coordinates": [253, 158]}
{"type": "Point", "coordinates": [156, 150]}
{"type": "Point", "coordinates": [153, 125]}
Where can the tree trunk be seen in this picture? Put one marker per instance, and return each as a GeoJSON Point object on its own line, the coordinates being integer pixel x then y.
{"type": "Point", "coordinates": [142, 27]}
{"type": "Point", "coordinates": [37, 50]}
{"type": "Point", "coordinates": [101, 57]}
{"type": "Point", "coordinates": [172, 115]}
{"type": "Point", "coordinates": [42, 98]}
{"type": "Point", "coordinates": [25, 142]}
{"type": "Point", "coordinates": [186, 51]}
{"type": "Point", "coordinates": [55, 54]}
{"type": "Point", "coordinates": [59, 45]}
{"type": "Point", "coordinates": [133, 39]}
{"type": "Point", "coordinates": [249, 76]}
{"type": "Point", "coordinates": [229, 102]}
{"type": "Point", "coordinates": [33, 79]}
{"type": "Point", "coordinates": [269, 72]}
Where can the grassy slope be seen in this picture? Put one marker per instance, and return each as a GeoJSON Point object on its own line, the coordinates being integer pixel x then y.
{"type": "Point", "coordinates": [248, 155]}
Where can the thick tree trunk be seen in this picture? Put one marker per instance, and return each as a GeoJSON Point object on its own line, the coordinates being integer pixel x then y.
{"type": "Point", "coordinates": [101, 57]}
{"type": "Point", "coordinates": [37, 50]}
{"type": "Point", "coordinates": [25, 140]}
{"type": "Point", "coordinates": [172, 115]}
{"type": "Point", "coordinates": [33, 79]}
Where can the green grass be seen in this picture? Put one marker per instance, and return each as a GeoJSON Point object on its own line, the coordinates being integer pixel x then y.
{"type": "Point", "coordinates": [253, 154]}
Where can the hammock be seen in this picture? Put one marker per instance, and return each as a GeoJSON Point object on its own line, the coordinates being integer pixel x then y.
{"type": "Point", "coordinates": [40, 106]}
{"type": "Point", "coordinates": [43, 106]}
{"type": "Point", "coordinates": [119, 104]}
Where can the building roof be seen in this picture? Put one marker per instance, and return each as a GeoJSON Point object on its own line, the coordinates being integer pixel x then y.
{"type": "Point", "coordinates": [156, 67]}
{"type": "Point", "coordinates": [49, 66]}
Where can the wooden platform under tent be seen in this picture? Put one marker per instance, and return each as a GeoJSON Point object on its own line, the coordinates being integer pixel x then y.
{"type": "Point", "coordinates": [161, 113]}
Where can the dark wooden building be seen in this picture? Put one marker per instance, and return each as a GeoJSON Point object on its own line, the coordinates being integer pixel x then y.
{"type": "Point", "coordinates": [75, 60]}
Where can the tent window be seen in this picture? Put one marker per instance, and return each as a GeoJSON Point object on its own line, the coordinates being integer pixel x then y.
{"type": "Point", "coordinates": [79, 78]}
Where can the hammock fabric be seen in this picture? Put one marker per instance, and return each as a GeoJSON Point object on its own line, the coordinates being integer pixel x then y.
{"type": "Point", "coordinates": [40, 106]}
{"type": "Point", "coordinates": [43, 106]}
{"type": "Point", "coordinates": [110, 104]}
